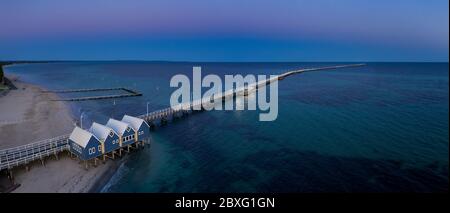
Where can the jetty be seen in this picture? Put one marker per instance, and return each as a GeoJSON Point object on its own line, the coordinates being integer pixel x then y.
{"type": "Point", "coordinates": [22, 155]}
{"type": "Point", "coordinates": [286, 74]}
{"type": "Point", "coordinates": [129, 93]}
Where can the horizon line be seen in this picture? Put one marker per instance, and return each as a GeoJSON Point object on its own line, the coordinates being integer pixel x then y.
{"type": "Point", "coordinates": [207, 61]}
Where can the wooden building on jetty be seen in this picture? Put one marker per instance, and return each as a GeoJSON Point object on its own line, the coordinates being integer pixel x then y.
{"type": "Point", "coordinates": [106, 140]}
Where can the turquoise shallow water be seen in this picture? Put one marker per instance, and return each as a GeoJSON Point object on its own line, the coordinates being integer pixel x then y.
{"type": "Point", "coordinates": [382, 127]}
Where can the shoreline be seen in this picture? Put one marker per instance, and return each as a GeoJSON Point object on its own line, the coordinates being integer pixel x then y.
{"type": "Point", "coordinates": [26, 116]}
{"type": "Point", "coordinates": [104, 179]}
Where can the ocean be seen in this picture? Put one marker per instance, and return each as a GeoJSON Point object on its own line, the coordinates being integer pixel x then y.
{"type": "Point", "coordinates": [378, 128]}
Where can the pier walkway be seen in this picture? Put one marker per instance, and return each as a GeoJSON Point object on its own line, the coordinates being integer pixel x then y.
{"type": "Point", "coordinates": [22, 155]}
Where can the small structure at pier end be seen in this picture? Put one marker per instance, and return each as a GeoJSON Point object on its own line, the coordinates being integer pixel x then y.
{"type": "Point", "coordinates": [124, 131]}
{"type": "Point", "coordinates": [84, 144]}
{"type": "Point", "coordinates": [141, 128]}
{"type": "Point", "coordinates": [108, 138]}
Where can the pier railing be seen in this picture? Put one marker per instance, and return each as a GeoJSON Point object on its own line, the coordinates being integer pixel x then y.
{"type": "Point", "coordinates": [24, 154]}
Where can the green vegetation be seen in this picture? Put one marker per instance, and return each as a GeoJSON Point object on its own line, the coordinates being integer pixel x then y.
{"type": "Point", "coordinates": [2, 79]}
{"type": "Point", "coordinates": [1, 75]}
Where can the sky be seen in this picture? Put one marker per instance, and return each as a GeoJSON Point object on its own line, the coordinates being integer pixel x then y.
{"type": "Point", "coordinates": [232, 30]}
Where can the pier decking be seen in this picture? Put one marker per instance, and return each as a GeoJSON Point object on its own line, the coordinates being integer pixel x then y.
{"type": "Point", "coordinates": [22, 155]}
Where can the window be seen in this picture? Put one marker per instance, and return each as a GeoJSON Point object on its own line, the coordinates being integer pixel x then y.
{"type": "Point", "coordinates": [76, 148]}
{"type": "Point", "coordinates": [91, 150]}
{"type": "Point", "coordinates": [111, 134]}
{"type": "Point", "coordinates": [128, 129]}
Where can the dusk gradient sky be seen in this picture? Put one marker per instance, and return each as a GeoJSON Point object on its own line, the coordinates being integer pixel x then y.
{"type": "Point", "coordinates": [233, 30]}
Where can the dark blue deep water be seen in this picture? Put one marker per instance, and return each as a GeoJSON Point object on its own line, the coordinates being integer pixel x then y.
{"type": "Point", "coordinates": [378, 128]}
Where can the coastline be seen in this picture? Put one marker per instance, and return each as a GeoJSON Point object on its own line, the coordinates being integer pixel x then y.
{"type": "Point", "coordinates": [106, 176]}
{"type": "Point", "coordinates": [26, 116]}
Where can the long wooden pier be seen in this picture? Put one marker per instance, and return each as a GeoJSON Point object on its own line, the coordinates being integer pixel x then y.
{"type": "Point", "coordinates": [22, 155]}
{"type": "Point", "coordinates": [286, 74]}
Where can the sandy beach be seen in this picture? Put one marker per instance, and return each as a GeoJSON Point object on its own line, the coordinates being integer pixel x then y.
{"type": "Point", "coordinates": [28, 115]}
